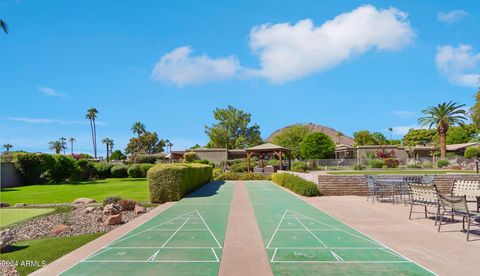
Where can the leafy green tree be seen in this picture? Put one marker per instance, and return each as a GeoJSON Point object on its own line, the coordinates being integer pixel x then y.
{"type": "Point", "coordinates": [291, 137]}
{"type": "Point", "coordinates": [365, 138]}
{"type": "Point", "coordinates": [149, 143]}
{"type": "Point", "coordinates": [7, 147]}
{"type": "Point", "coordinates": [418, 137]}
{"type": "Point", "coordinates": [317, 145]}
{"type": "Point", "coordinates": [118, 155]}
{"type": "Point", "coordinates": [4, 26]}
{"type": "Point", "coordinates": [459, 135]}
{"type": "Point", "coordinates": [232, 129]}
{"type": "Point", "coordinates": [472, 152]}
{"type": "Point", "coordinates": [92, 116]}
{"type": "Point", "coordinates": [139, 129]}
{"type": "Point", "coordinates": [443, 116]}
{"type": "Point", "coordinates": [475, 109]}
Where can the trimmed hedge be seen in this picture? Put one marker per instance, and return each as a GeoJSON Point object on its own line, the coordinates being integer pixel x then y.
{"type": "Point", "coordinates": [170, 182]}
{"type": "Point", "coordinates": [135, 171]}
{"type": "Point", "coordinates": [299, 166]}
{"type": "Point", "coordinates": [296, 184]}
{"type": "Point", "coordinates": [119, 171]}
{"type": "Point", "coordinates": [242, 176]}
{"type": "Point", "coordinates": [102, 170]}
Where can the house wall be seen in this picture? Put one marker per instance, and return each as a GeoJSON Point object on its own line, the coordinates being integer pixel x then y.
{"type": "Point", "coordinates": [9, 176]}
{"type": "Point", "coordinates": [215, 156]}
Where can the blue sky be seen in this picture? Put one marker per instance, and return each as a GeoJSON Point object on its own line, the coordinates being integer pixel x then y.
{"type": "Point", "coordinates": [351, 65]}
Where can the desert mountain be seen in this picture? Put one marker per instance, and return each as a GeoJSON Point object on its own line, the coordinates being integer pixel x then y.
{"type": "Point", "coordinates": [332, 133]}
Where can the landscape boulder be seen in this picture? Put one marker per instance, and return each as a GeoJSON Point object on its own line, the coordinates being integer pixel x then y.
{"type": "Point", "coordinates": [89, 210]}
{"type": "Point", "coordinates": [20, 205]}
{"type": "Point", "coordinates": [4, 204]}
{"type": "Point", "coordinates": [112, 209]}
{"type": "Point", "coordinates": [140, 209]}
{"type": "Point", "coordinates": [113, 219]}
{"type": "Point", "coordinates": [58, 229]}
{"type": "Point", "coordinates": [6, 236]}
{"type": "Point", "coordinates": [84, 200]}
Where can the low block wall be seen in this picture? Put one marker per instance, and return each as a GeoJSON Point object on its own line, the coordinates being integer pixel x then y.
{"type": "Point", "coordinates": [338, 185]}
{"type": "Point", "coordinates": [9, 176]}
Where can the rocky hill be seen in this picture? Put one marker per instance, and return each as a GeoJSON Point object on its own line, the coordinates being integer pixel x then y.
{"type": "Point", "coordinates": [332, 133]}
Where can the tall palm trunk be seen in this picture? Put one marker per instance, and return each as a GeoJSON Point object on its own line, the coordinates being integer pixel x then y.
{"type": "Point", "coordinates": [94, 138]}
{"type": "Point", "coordinates": [138, 143]}
{"type": "Point", "coordinates": [442, 134]}
{"type": "Point", "coordinates": [107, 151]}
{"type": "Point", "coordinates": [71, 147]}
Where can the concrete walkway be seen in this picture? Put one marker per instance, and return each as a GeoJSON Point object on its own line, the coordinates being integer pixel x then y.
{"type": "Point", "coordinates": [445, 253]}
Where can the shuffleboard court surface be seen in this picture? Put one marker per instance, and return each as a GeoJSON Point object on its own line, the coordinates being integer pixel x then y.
{"type": "Point", "coordinates": [302, 240]}
{"type": "Point", "coordinates": [185, 239]}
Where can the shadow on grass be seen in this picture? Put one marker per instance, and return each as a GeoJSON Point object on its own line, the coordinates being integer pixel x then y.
{"type": "Point", "coordinates": [12, 248]}
{"type": "Point", "coordinates": [83, 182]}
{"type": "Point", "coordinates": [206, 190]}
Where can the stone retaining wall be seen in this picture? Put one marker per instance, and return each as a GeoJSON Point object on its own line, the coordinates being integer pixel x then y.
{"type": "Point", "coordinates": [338, 185]}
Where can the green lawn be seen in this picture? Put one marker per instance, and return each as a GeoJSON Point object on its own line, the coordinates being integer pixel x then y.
{"type": "Point", "coordinates": [131, 188]}
{"type": "Point", "coordinates": [39, 252]}
{"type": "Point", "coordinates": [10, 216]}
{"type": "Point", "coordinates": [400, 172]}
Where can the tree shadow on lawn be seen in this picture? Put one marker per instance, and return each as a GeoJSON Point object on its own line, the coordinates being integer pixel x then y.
{"type": "Point", "coordinates": [12, 248]}
{"type": "Point", "coordinates": [206, 190]}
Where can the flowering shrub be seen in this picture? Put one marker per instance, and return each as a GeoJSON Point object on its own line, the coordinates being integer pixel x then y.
{"type": "Point", "coordinates": [386, 154]}
{"type": "Point", "coordinates": [391, 162]}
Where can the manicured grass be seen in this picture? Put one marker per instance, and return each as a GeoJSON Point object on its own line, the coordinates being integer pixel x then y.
{"type": "Point", "coordinates": [131, 188]}
{"type": "Point", "coordinates": [40, 252]}
{"type": "Point", "coordinates": [10, 215]}
{"type": "Point", "coordinates": [401, 172]}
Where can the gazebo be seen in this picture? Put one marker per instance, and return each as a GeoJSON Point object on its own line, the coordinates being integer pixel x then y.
{"type": "Point", "coordinates": [268, 148]}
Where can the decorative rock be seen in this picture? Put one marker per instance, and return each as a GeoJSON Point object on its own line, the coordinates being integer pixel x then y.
{"type": "Point", "coordinates": [100, 219]}
{"type": "Point", "coordinates": [6, 237]}
{"type": "Point", "coordinates": [58, 229]}
{"type": "Point", "coordinates": [20, 205]}
{"type": "Point", "coordinates": [113, 219]}
{"type": "Point", "coordinates": [89, 210]}
{"type": "Point", "coordinates": [112, 209]}
{"type": "Point", "coordinates": [83, 200]}
{"type": "Point", "coordinates": [4, 204]}
{"type": "Point", "coordinates": [140, 209]}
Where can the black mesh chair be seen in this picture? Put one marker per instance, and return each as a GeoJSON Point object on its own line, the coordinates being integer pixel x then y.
{"type": "Point", "coordinates": [457, 206]}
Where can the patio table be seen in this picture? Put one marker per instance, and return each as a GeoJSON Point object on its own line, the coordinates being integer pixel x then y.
{"type": "Point", "coordinates": [395, 185]}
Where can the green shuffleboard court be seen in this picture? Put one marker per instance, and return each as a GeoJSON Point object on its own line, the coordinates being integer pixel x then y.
{"type": "Point", "coordinates": [302, 240]}
{"type": "Point", "coordinates": [185, 239]}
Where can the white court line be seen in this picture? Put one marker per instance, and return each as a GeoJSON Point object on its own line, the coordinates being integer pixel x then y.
{"type": "Point", "coordinates": [276, 229]}
{"type": "Point", "coordinates": [173, 229]}
{"type": "Point", "coordinates": [141, 232]}
{"type": "Point", "coordinates": [343, 262]}
{"type": "Point", "coordinates": [306, 229]}
{"type": "Point", "coordinates": [392, 253]}
{"type": "Point", "coordinates": [312, 234]}
{"type": "Point", "coordinates": [274, 253]}
{"type": "Point", "coordinates": [340, 259]}
{"type": "Point", "coordinates": [160, 261]}
{"type": "Point", "coordinates": [336, 248]}
{"type": "Point", "coordinates": [208, 228]}
{"type": "Point", "coordinates": [98, 253]}
{"type": "Point", "coordinates": [163, 245]}
{"type": "Point", "coordinates": [215, 254]}
{"type": "Point", "coordinates": [166, 247]}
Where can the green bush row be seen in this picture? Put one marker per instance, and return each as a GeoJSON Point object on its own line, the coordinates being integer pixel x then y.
{"type": "Point", "coordinates": [296, 184]}
{"type": "Point", "coordinates": [242, 176]}
{"type": "Point", "coordinates": [170, 182]}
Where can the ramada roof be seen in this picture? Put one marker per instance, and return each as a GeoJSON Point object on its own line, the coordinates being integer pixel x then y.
{"type": "Point", "coordinates": [268, 147]}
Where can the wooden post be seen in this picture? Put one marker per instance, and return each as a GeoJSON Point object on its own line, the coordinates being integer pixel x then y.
{"type": "Point", "coordinates": [280, 160]}
{"type": "Point", "coordinates": [248, 162]}
{"type": "Point", "coordinates": [289, 161]}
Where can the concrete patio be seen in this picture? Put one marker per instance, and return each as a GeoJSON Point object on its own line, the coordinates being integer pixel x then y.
{"type": "Point", "coordinates": [445, 253]}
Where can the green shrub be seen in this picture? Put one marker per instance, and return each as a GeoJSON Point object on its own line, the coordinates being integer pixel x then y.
{"type": "Point", "coordinates": [358, 167]}
{"type": "Point", "coordinates": [299, 166]}
{"type": "Point", "coordinates": [189, 157]}
{"type": "Point", "coordinates": [63, 169]}
{"type": "Point", "coordinates": [135, 171]}
{"type": "Point", "coordinates": [119, 171]}
{"type": "Point", "coordinates": [170, 182]}
{"type": "Point", "coordinates": [472, 152]}
{"type": "Point", "coordinates": [84, 170]}
{"type": "Point", "coordinates": [102, 170]}
{"type": "Point", "coordinates": [242, 176]}
{"type": "Point", "coordinates": [145, 168]}
{"type": "Point", "coordinates": [238, 167]}
{"type": "Point", "coordinates": [118, 155]}
{"type": "Point", "coordinates": [391, 162]}
{"type": "Point", "coordinates": [273, 162]}
{"type": "Point", "coordinates": [427, 165]}
{"type": "Point", "coordinates": [127, 204]}
{"type": "Point", "coordinates": [377, 163]}
{"type": "Point", "coordinates": [296, 184]}
{"type": "Point", "coordinates": [203, 161]}
{"type": "Point", "coordinates": [111, 199]}
{"type": "Point", "coordinates": [414, 166]}
{"type": "Point", "coordinates": [442, 163]}
{"type": "Point", "coordinates": [317, 145]}
{"type": "Point", "coordinates": [32, 166]}
{"type": "Point", "coordinates": [145, 159]}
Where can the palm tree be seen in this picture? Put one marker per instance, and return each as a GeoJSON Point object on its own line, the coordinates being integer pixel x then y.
{"type": "Point", "coordinates": [56, 145]}
{"type": "Point", "coordinates": [443, 116]}
{"type": "Point", "coordinates": [7, 147]}
{"type": "Point", "coordinates": [138, 128]}
{"type": "Point", "coordinates": [64, 144]}
{"type": "Point", "coordinates": [4, 26]}
{"type": "Point", "coordinates": [391, 131]}
{"type": "Point", "coordinates": [107, 142]}
{"type": "Point", "coordinates": [92, 115]}
{"type": "Point", "coordinates": [71, 140]}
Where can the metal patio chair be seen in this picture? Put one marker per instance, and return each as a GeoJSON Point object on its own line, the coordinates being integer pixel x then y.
{"type": "Point", "coordinates": [470, 189]}
{"type": "Point", "coordinates": [424, 195]}
{"type": "Point", "coordinates": [373, 189]}
{"type": "Point", "coordinates": [457, 206]}
{"type": "Point", "coordinates": [428, 179]}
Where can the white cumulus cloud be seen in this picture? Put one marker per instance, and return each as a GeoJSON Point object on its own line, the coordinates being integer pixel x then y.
{"type": "Point", "coordinates": [452, 16]}
{"type": "Point", "coordinates": [289, 52]}
{"type": "Point", "coordinates": [402, 130]}
{"type": "Point", "coordinates": [461, 65]}
{"type": "Point", "coordinates": [181, 68]}
{"type": "Point", "coordinates": [404, 114]}
{"type": "Point", "coordinates": [50, 92]}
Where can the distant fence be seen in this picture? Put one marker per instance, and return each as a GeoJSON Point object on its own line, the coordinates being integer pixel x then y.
{"type": "Point", "coordinates": [9, 176]}
{"type": "Point", "coordinates": [403, 161]}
